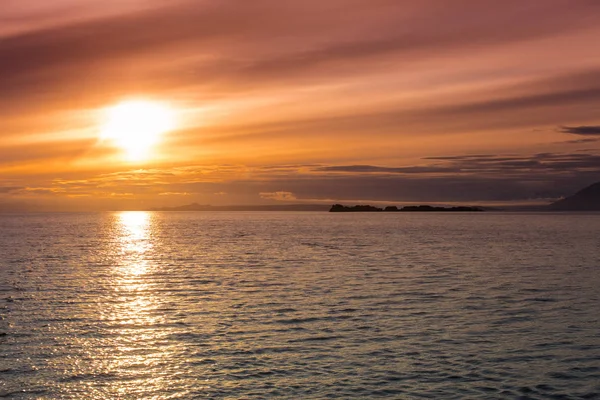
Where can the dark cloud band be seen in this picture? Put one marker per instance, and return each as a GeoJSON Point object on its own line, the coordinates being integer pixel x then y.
{"type": "Point", "coordinates": [585, 130]}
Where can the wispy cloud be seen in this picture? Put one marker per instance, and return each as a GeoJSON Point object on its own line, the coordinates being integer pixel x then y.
{"type": "Point", "coordinates": [279, 196]}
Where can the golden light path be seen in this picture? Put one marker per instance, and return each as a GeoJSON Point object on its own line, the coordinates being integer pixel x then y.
{"type": "Point", "coordinates": [134, 315]}
{"type": "Point", "coordinates": [136, 126]}
{"type": "Point", "coordinates": [134, 241]}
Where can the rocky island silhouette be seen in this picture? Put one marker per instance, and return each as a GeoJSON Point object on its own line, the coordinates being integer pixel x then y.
{"type": "Point", "coordinates": [421, 208]}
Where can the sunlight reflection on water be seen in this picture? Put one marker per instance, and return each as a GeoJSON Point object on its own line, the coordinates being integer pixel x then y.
{"type": "Point", "coordinates": [135, 316]}
{"type": "Point", "coordinates": [133, 240]}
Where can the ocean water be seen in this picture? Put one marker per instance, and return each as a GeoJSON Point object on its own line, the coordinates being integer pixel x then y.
{"type": "Point", "coordinates": [253, 305]}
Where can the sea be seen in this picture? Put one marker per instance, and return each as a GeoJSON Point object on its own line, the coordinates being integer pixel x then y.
{"type": "Point", "coordinates": [300, 305]}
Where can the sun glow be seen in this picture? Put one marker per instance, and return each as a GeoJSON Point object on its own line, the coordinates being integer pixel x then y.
{"type": "Point", "coordinates": [136, 126]}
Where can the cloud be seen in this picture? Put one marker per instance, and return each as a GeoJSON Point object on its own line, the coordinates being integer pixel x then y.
{"type": "Point", "coordinates": [174, 194]}
{"type": "Point", "coordinates": [279, 196]}
{"type": "Point", "coordinates": [585, 130]}
{"type": "Point", "coordinates": [544, 101]}
{"type": "Point", "coordinates": [577, 95]}
{"type": "Point", "coordinates": [539, 164]}
{"type": "Point", "coordinates": [579, 141]}
{"type": "Point", "coordinates": [10, 189]}
{"type": "Point", "coordinates": [44, 191]}
{"type": "Point", "coordinates": [452, 178]}
{"type": "Point", "coordinates": [391, 170]}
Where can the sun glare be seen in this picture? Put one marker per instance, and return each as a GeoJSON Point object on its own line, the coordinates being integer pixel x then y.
{"type": "Point", "coordinates": [135, 126]}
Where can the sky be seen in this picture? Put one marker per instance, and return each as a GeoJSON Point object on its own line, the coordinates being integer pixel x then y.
{"type": "Point", "coordinates": [300, 101]}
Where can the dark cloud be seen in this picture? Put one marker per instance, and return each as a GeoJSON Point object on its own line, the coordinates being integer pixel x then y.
{"type": "Point", "coordinates": [549, 99]}
{"type": "Point", "coordinates": [585, 130]}
{"type": "Point", "coordinates": [579, 141]}
{"type": "Point", "coordinates": [402, 188]}
{"type": "Point", "coordinates": [530, 166]}
{"type": "Point", "coordinates": [464, 157]}
{"type": "Point", "coordinates": [392, 170]}
{"type": "Point", "coordinates": [452, 179]}
{"type": "Point", "coordinates": [464, 178]}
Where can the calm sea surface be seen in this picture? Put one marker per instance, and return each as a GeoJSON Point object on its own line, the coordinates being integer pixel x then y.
{"type": "Point", "coordinates": [255, 305]}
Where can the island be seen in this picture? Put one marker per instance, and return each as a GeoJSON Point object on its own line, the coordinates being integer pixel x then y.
{"type": "Point", "coordinates": [421, 208]}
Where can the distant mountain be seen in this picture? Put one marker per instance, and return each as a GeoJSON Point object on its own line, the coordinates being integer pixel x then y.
{"type": "Point", "coordinates": [267, 207]}
{"type": "Point", "coordinates": [587, 199]}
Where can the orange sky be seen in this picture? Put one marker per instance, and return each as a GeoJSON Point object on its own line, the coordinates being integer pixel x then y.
{"type": "Point", "coordinates": [301, 101]}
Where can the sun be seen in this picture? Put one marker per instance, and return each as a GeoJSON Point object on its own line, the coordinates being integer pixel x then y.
{"type": "Point", "coordinates": [135, 126]}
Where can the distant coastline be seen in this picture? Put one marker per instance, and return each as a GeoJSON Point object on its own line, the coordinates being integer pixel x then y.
{"type": "Point", "coordinates": [421, 208]}
{"type": "Point", "coordinates": [315, 207]}
{"type": "Point", "coordinates": [267, 207]}
{"type": "Point", "coordinates": [585, 200]}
